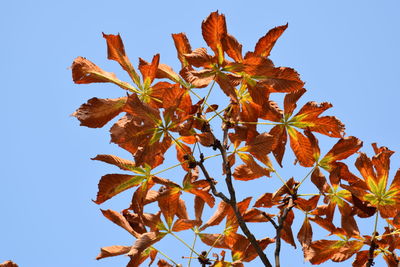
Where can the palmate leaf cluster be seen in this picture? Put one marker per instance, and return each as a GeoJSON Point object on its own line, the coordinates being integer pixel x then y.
{"type": "Point", "coordinates": [164, 109]}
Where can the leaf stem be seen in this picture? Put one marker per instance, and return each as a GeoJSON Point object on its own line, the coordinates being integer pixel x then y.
{"type": "Point", "coordinates": [183, 242]}
{"type": "Point", "coordinates": [308, 174]}
{"type": "Point", "coordinates": [216, 114]}
{"type": "Point", "coordinates": [191, 251]}
{"type": "Point", "coordinates": [165, 255]}
{"type": "Point", "coordinates": [255, 122]}
{"type": "Point", "coordinates": [208, 94]}
{"type": "Point", "coordinates": [282, 180]}
{"type": "Point", "coordinates": [215, 242]}
{"type": "Point", "coordinates": [199, 97]}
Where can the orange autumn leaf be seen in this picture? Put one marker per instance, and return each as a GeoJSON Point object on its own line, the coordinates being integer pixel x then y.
{"type": "Point", "coordinates": [85, 71]}
{"type": "Point", "coordinates": [250, 170]}
{"type": "Point", "coordinates": [112, 251]}
{"type": "Point", "coordinates": [266, 43]}
{"type": "Point", "coordinates": [184, 224]}
{"type": "Point", "coordinates": [142, 242]}
{"type": "Point", "coordinates": [163, 263]}
{"type": "Point", "coordinates": [309, 116]}
{"type": "Point", "coordinates": [199, 188]}
{"type": "Point", "coordinates": [168, 202]}
{"type": "Point", "coordinates": [337, 251]}
{"type": "Point", "coordinates": [182, 46]}
{"type": "Point", "coordinates": [232, 47]}
{"type": "Point", "coordinates": [344, 148]}
{"type": "Point", "coordinates": [305, 233]}
{"type": "Point", "coordinates": [123, 164]}
{"type": "Point", "coordinates": [116, 51]}
{"type": "Point", "coordinates": [307, 204]}
{"type": "Point", "coordinates": [119, 220]}
{"type": "Point", "coordinates": [214, 31]}
{"type": "Point", "coordinates": [97, 112]}
{"type": "Point", "coordinates": [301, 147]}
{"type": "Point", "coordinates": [113, 184]}
{"type": "Point", "coordinates": [149, 71]}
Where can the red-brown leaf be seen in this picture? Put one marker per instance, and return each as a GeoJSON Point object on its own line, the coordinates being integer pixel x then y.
{"type": "Point", "coordinates": [227, 83]}
{"type": "Point", "coordinates": [290, 101]}
{"type": "Point", "coordinates": [287, 233]}
{"type": "Point", "coordinates": [215, 240]}
{"type": "Point", "coordinates": [184, 224]}
{"type": "Point", "coordinates": [198, 208]}
{"type": "Point", "coordinates": [214, 31]}
{"type": "Point", "coordinates": [97, 112]}
{"type": "Point", "coordinates": [280, 80]}
{"type": "Point", "coordinates": [198, 79]}
{"type": "Point", "coordinates": [267, 42]}
{"type": "Point", "coordinates": [199, 58]}
{"type": "Point", "coordinates": [255, 215]}
{"type": "Point", "coordinates": [149, 71]}
{"type": "Point", "coordinates": [307, 204]}
{"type": "Point", "coordinates": [218, 215]}
{"type": "Point", "coordinates": [141, 110]}
{"type": "Point", "coordinates": [361, 258]}
{"type": "Point", "coordinates": [113, 184]}
{"type": "Point", "coordinates": [271, 112]}
{"type": "Point", "coordinates": [123, 164]}
{"type": "Point", "coordinates": [266, 201]}
{"type": "Point", "coordinates": [233, 48]}
{"type": "Point", "coordinates": [143, 241]}
{"type": "Point", "coordinates": [261, 145]}
{"type": "Point", "coordinates": [182, 47]}
{"type": "Point", "coordinates": [166, 72]}
{"type": "Point", "coordinates": [166, 95]}
{"type": "Point", "coordinates": [250, 170]}
{"type": "Point", "coordinates": [116, 51]}
{"type": "Point", "coordinates": [308, 117]}
{"type": "Point", "coordinates": [301, 147]}
{"type": "Point", "coordinates": [344, 148]}
{"type": "Point", "coordinates": [183, 152]}
{"type": "Point", "coordinates": [280, 136]}
{"type": "Point", "coordinates": [112, 251]}
{"type": "Point", "coordinates": [85, 71]}
{"type": "Point", "coordinates": [319, 180]}
{"type": "Point", "coordinates": [168, 203]}
{"type": "Point", "coordinates": [305, 234]}
{"type": "Point", "coordinates": [251, 253]}
{"type": "Point", "coordinates": [120, 220]}
{"type": "Point", "coordinates": [337, 251]}
{"type": "Point", "coordinates": [163, 263]}
{"type": "Point", "coordinates": [206, 139]}
{"type": "Point", "coordinates": [181, 211]}
{"type": "Point", "coordinates": [349, 224]}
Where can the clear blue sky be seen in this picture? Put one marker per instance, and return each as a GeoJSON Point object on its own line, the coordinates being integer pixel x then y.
{"type": "Point", "coordinates": [347, 52]}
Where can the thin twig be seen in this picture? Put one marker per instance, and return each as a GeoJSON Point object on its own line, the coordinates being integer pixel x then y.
{"type": "Point", "coordinates": [373, 245]}
{"type": "Point", "coordinates": [270, 220]}
{"type": "Point", "coordinates": [212, 182]}
{"type": "Point", "coordinates": [371, 253]}
{"type": "Point", "coordinates": [281, 221]}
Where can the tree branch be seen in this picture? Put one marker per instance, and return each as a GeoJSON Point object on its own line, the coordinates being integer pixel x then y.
{"type": "Point", "coordinates": [372, 248]}
{"type": "Point", "coordinates": [233, 203]}
{"type": "Point", "coordinates": [270, 220]}
{"type": "Point", "coordinates": [212, 182]}
{"type": "Point", "coordinates": [279, 228]}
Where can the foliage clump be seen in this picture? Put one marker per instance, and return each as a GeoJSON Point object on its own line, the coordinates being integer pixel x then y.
{"type": "Point", "coordinates": [165, 109]}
